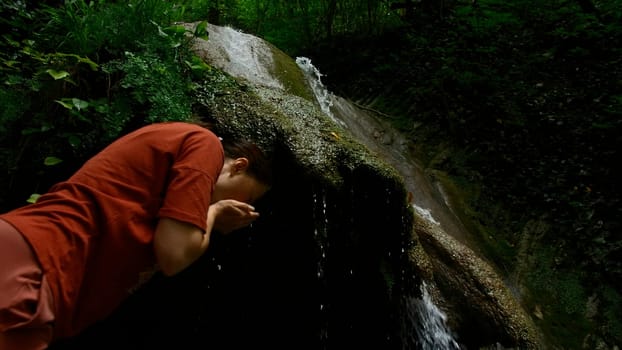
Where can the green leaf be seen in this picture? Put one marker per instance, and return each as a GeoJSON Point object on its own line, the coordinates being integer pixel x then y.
{"type": "Point", "coordinates": [79, 104]}
{"type": "Point", "coordinates": [57, 74]}
{"type": "Point", "coordinates": [71, 103]}
{"type": "Point", "coordinates": [80, 59]}
{"type": "Point", "coordinates": [74, 141]}
{"type": "Point", "coordinates": [33, 198]}
{"type": "Point", "coordinates": [198, 64]}
{"type": "Point", "coordinates": [65, 103]}
{"type": "Point", "coordinates": [10, 63]}
{"type": "Point", "coordinates": [176, 29]}
{"type": "Point", "coordinates": [201, 31]}
{"type": "Point", "coordinates": [51, 161]}
{"type": "Point", "coordinates": [88, 61]}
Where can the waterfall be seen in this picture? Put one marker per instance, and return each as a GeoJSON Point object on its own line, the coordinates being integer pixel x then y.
{"type": "Point", "coordinates": [322, 95]}
{"type": "Point", "coordinates": [320, 235]}
{"type": "Point", "coordinates": [248, 57]}
{"type": "Point", "coordinates": [426, 214]}
{"type": "Point", "coordinates": [241, 55]}
{"type": "Point", "coordinates": [432, 331]}
{"type": "Point", "coordinates": [423, 318]}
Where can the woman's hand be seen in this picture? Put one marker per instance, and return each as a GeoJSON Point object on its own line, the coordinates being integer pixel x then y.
{"type": "Point", "coordinates": [229, 215]}
{"type": "Point", "coordinates": [178, 244]}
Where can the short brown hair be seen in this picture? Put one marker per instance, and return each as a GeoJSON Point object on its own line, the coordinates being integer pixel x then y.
{"type": "Point", "coordinates": [259, 163]}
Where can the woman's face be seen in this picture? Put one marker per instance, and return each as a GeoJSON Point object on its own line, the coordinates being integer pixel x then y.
{"type": "Point", "coordinates": [234, 182]}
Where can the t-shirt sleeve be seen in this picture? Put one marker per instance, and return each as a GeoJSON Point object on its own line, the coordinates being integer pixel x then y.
{"type": "Point", "coordinates": [188, 197]}
{"type": "Point", "coordinates": [192, 178]}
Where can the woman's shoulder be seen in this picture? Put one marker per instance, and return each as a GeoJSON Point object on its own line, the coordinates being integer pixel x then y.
{"type": "Point", "coordinates": [176, 126]}
{"type": "Point", "coordinates": [177, 130]}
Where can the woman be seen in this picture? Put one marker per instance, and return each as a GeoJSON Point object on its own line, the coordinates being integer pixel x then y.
{"type": "Point", "coordinates": [148, 201]}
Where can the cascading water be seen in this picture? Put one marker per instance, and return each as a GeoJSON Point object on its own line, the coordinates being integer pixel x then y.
{"type": "Point", "coordinates": [319, 205]}
{"type": "Point", "coordinates": [241, 55]}
{"type": "Point", "coordinates": [392, 147]}
{"type": "Point", "coordinates": [432, 331]}
{"type": "Point", "coordinates": [423, 318]}
{"type": "Point", "coordinates": [248, 57]}
{"type": "Point", "coordinates": [322, 95]}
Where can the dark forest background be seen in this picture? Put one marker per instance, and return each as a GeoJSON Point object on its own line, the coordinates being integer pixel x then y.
{"type": "Point", "coordinates": [519, 102]}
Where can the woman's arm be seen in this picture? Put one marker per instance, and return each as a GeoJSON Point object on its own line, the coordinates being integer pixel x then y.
{"type": "Point", "coordinates": [178, 244]}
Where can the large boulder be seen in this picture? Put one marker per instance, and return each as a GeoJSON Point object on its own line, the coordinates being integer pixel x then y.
{"type": "Point", "coordinates": [336, 258]}
{"type": "Point", "coordinates": [482, 310]}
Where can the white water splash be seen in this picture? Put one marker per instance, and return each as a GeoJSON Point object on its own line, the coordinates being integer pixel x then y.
{"type": "Point", "coordinates": [241, 55]}
{"type": "Point", "coordinates": [322, 95]}
{"type": "Point", "coordinates": [426, 214]}
{"type": "Point", "coordinates": [430, 324]}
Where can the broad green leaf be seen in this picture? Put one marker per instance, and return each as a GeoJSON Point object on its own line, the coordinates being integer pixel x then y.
{"type": "Point", "coordinates": [51, 161]}
{"type": "Point", "coordinates": [201, 31]}
{"type": "Point", "coordinates": [79, 104]}
{"type": "Point", "coordinates": [33, 198]}
{"type": "Point", "coordinates": [57, 74]}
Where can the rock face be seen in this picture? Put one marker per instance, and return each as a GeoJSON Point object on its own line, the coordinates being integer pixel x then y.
{"type": "Point", "coordinates": [482, 311]}
{"type": "Point", "coordinates": [336, 252]}
{"type": "Point", "coordinates": [338, 220]}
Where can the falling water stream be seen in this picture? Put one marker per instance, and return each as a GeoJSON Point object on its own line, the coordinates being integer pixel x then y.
{"type": "Point", "coordinates": [428, 320]}
{"type": "Point", "coordinates": [245, 56]}
{"type": "Point", "coordinates": [428, 198]}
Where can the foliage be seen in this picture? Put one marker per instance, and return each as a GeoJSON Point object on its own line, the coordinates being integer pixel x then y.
{"type": "Point", "coordinates": [612, 312]}
{"type": "Point", "coordinates": [143, 78]}
{"type": "Point", "coordinates": [74, 80]}
{"type": "Point", "coordinates": [561, 294]}
{"type": "Point", "coordinates": [292, 25]}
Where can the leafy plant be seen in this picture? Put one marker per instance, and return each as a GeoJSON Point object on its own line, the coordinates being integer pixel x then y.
{"type": "Point", "coordinates": [75, 80]}
{"type": "Point", "coordinates": [156, 87]}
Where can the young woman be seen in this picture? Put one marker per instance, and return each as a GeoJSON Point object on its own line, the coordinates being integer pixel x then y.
{"type": "Point", "coordinates": [148, 201]}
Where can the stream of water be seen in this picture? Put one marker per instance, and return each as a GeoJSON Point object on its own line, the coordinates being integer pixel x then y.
{"type": "Point", "coordinates": [423, 316]}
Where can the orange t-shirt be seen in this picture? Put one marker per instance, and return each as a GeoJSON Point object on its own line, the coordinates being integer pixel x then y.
{"type": "Point", "coordinates": [93, 233]}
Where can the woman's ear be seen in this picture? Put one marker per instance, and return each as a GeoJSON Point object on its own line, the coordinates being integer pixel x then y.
{"type": "Point", "coordinates": [240, 164]}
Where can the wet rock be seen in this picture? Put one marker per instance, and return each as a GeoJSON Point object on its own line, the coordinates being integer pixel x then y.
{"type": "Point", "coordinates": [481, 309]}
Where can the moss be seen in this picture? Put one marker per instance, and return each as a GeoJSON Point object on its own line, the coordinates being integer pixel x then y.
{"type": "Point", "coordinates": [270, 117]}
{"type": "Point", "coordinates": [290, 75]}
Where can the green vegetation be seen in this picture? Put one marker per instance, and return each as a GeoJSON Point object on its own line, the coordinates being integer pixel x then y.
{"type": "Point", "coordinates": [519, 103]}
{"type": "Point", "coordinates": [77, 76]}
